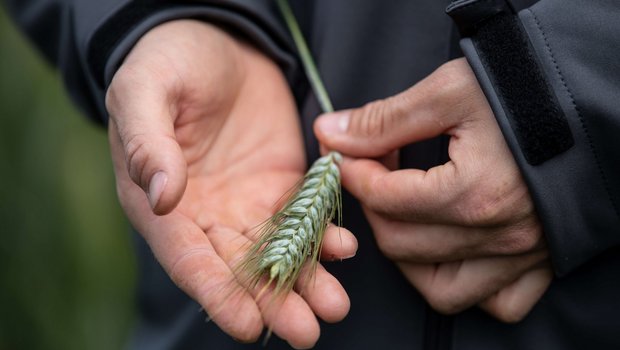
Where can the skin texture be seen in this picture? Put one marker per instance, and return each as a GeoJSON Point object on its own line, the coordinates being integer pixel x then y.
{"type": "Point", "coordinates": [205, 138]}
{"type": "Point", "coordinates": [464, 233]}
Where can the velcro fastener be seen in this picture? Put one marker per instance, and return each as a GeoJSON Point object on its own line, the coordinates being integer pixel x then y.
{"type": "Point", "coordinates": [532, 108]}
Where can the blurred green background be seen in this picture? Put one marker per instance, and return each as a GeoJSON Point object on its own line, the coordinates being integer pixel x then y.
{"type": "Point", "coordinates": [66, 267]}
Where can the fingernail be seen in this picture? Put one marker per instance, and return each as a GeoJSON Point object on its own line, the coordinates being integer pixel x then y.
{"type": "Point", "coordinates": [333, 123]}
{"type": "Point", "coordinates": [348, 256]}
{"type": "Point", "coordinates": [156, 187]}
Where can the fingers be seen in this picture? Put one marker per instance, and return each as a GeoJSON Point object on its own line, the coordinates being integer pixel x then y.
{"type": "Point", "coordinates": [411, 194]}
{"type": "Point", "coordinates": [338, 243]}
{"type": "Point", "coordinates": [323, 293]}
{"type": "Point", "coordinates": [480, 185]}
{"type": "Point", "coordinates": [293, 318]}
{"type": "Point", "coordinates": [141, 116]}
{"type": "Point", "coordinates": [447, 194]}
{"type": "Point", "coordinates": [472, 215]}
{"type": "Point", "coordinates": [322, 290]}
{"type": "Point", "coordinates": [193, 264]}
{"type": "Point", "coordinates": [452, 287]}
{"type": "Point", "coordinates": [433, 243]}
{"type": "Point", "coordinates": [429, 108]}
{"type": "Point", "coordinates": [514, 302]}
{"type": "Point", "coordinates": [189, 258]}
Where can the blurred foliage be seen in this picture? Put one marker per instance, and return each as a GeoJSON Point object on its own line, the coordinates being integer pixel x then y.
{"type": "Point", "coordinates": [66, 266]}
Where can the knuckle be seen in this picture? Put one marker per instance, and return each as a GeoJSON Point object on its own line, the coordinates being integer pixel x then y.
{"type": "Point", "coordinates": [443, 78]}
{"type": "Point", "coordinates": [454, 86]}
{"type": "Point", "coordinates": [110, 100]}
{"type": "Point", "coordinates": [113, 99]}
{"type": "Point", "coordinates": [136, 157]}
{"type": "Point", "coordinates": [526, 241]}
{"type": "Point", "coordinates": [490, 202]}
{"type": "Point", "coordinates": [481, 209]}
{"type": "Point", "coordinates": [446, 302]}
{"type": "Point", "coordinates": [387, 247]}
{"type": "Point", "coordinates": [122, 87]}
{"type": "Point", "coordinates": [370, 120]}
{"type": "Point", "coordinates": [381, 117]}
{"type": "Point", "coordinates": [450, 80]}
{"type": "Point", "coordinates": [519, 240]}
{"type": "Point", "coordinates": [508, 313]}
{"type": "Point", "coordinates": [373, 187]}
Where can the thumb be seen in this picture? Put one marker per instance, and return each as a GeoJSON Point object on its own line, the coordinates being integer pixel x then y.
{"type": "Point", "coordinates": [429, 108]}
{"type": "Point", "coordinates": [144, 129]}
{"type": "Point", "coordinates": [379, 127]}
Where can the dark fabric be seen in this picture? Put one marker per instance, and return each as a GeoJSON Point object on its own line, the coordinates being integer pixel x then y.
{"type": "Point", "coordinates": [131, 21]}
{"type": "Point", "coordinates": [88, 40]}
{"type": "Point", "coordinates": [60, 35]}
{"type": "Point", "coordinates": [370, 49]}
{"type": "Point", "coordinates": [470, 15]}
{"type": "Point", "coordinates": [576, 192]}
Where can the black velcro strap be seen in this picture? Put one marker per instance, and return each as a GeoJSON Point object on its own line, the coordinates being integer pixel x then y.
{"type": "Point", "coordinates": [535, 115]}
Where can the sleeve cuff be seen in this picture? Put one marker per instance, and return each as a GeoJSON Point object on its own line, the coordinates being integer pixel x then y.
{"type": "Point", "coordinates": [123, 29]}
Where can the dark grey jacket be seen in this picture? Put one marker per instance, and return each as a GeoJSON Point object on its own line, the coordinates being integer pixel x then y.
{"type": "Point", "coordinates": [552, 75]}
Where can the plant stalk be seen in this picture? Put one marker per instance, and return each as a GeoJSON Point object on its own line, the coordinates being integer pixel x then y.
{"type": "Point", "coordinates": [306, 57]}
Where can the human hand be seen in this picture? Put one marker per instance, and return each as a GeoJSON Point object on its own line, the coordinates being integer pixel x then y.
{"type": "Point", "coordinates": [206, 126]}
{"type": "Point", "coordinates": [463, 233]}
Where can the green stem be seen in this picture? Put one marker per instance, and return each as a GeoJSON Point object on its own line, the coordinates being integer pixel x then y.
{"type": "Point", "coordinates": [306, 57]}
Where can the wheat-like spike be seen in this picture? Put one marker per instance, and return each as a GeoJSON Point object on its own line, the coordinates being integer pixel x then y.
{"type": "Point", "coordinates": [295, 232]}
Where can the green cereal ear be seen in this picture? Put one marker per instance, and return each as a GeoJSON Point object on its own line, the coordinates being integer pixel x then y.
{"type": "Point", "coordinates": [293, 236]}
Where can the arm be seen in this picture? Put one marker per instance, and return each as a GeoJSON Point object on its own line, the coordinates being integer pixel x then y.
{"type": "Point", "coordinates": [565, 141]}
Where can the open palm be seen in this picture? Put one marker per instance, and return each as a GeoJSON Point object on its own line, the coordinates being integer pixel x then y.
{"type": "Point", "coordinates": [207, 127]}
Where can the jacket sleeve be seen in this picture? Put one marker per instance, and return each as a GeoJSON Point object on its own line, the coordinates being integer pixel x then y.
{"type": "Point", "coordinates": [87, 40]}
{"type": "Point", "coordinates": [551, 72]}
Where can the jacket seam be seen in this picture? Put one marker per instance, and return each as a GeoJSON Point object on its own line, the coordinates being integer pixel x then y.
{"type": "Point", "coordinates": [579, 114]}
